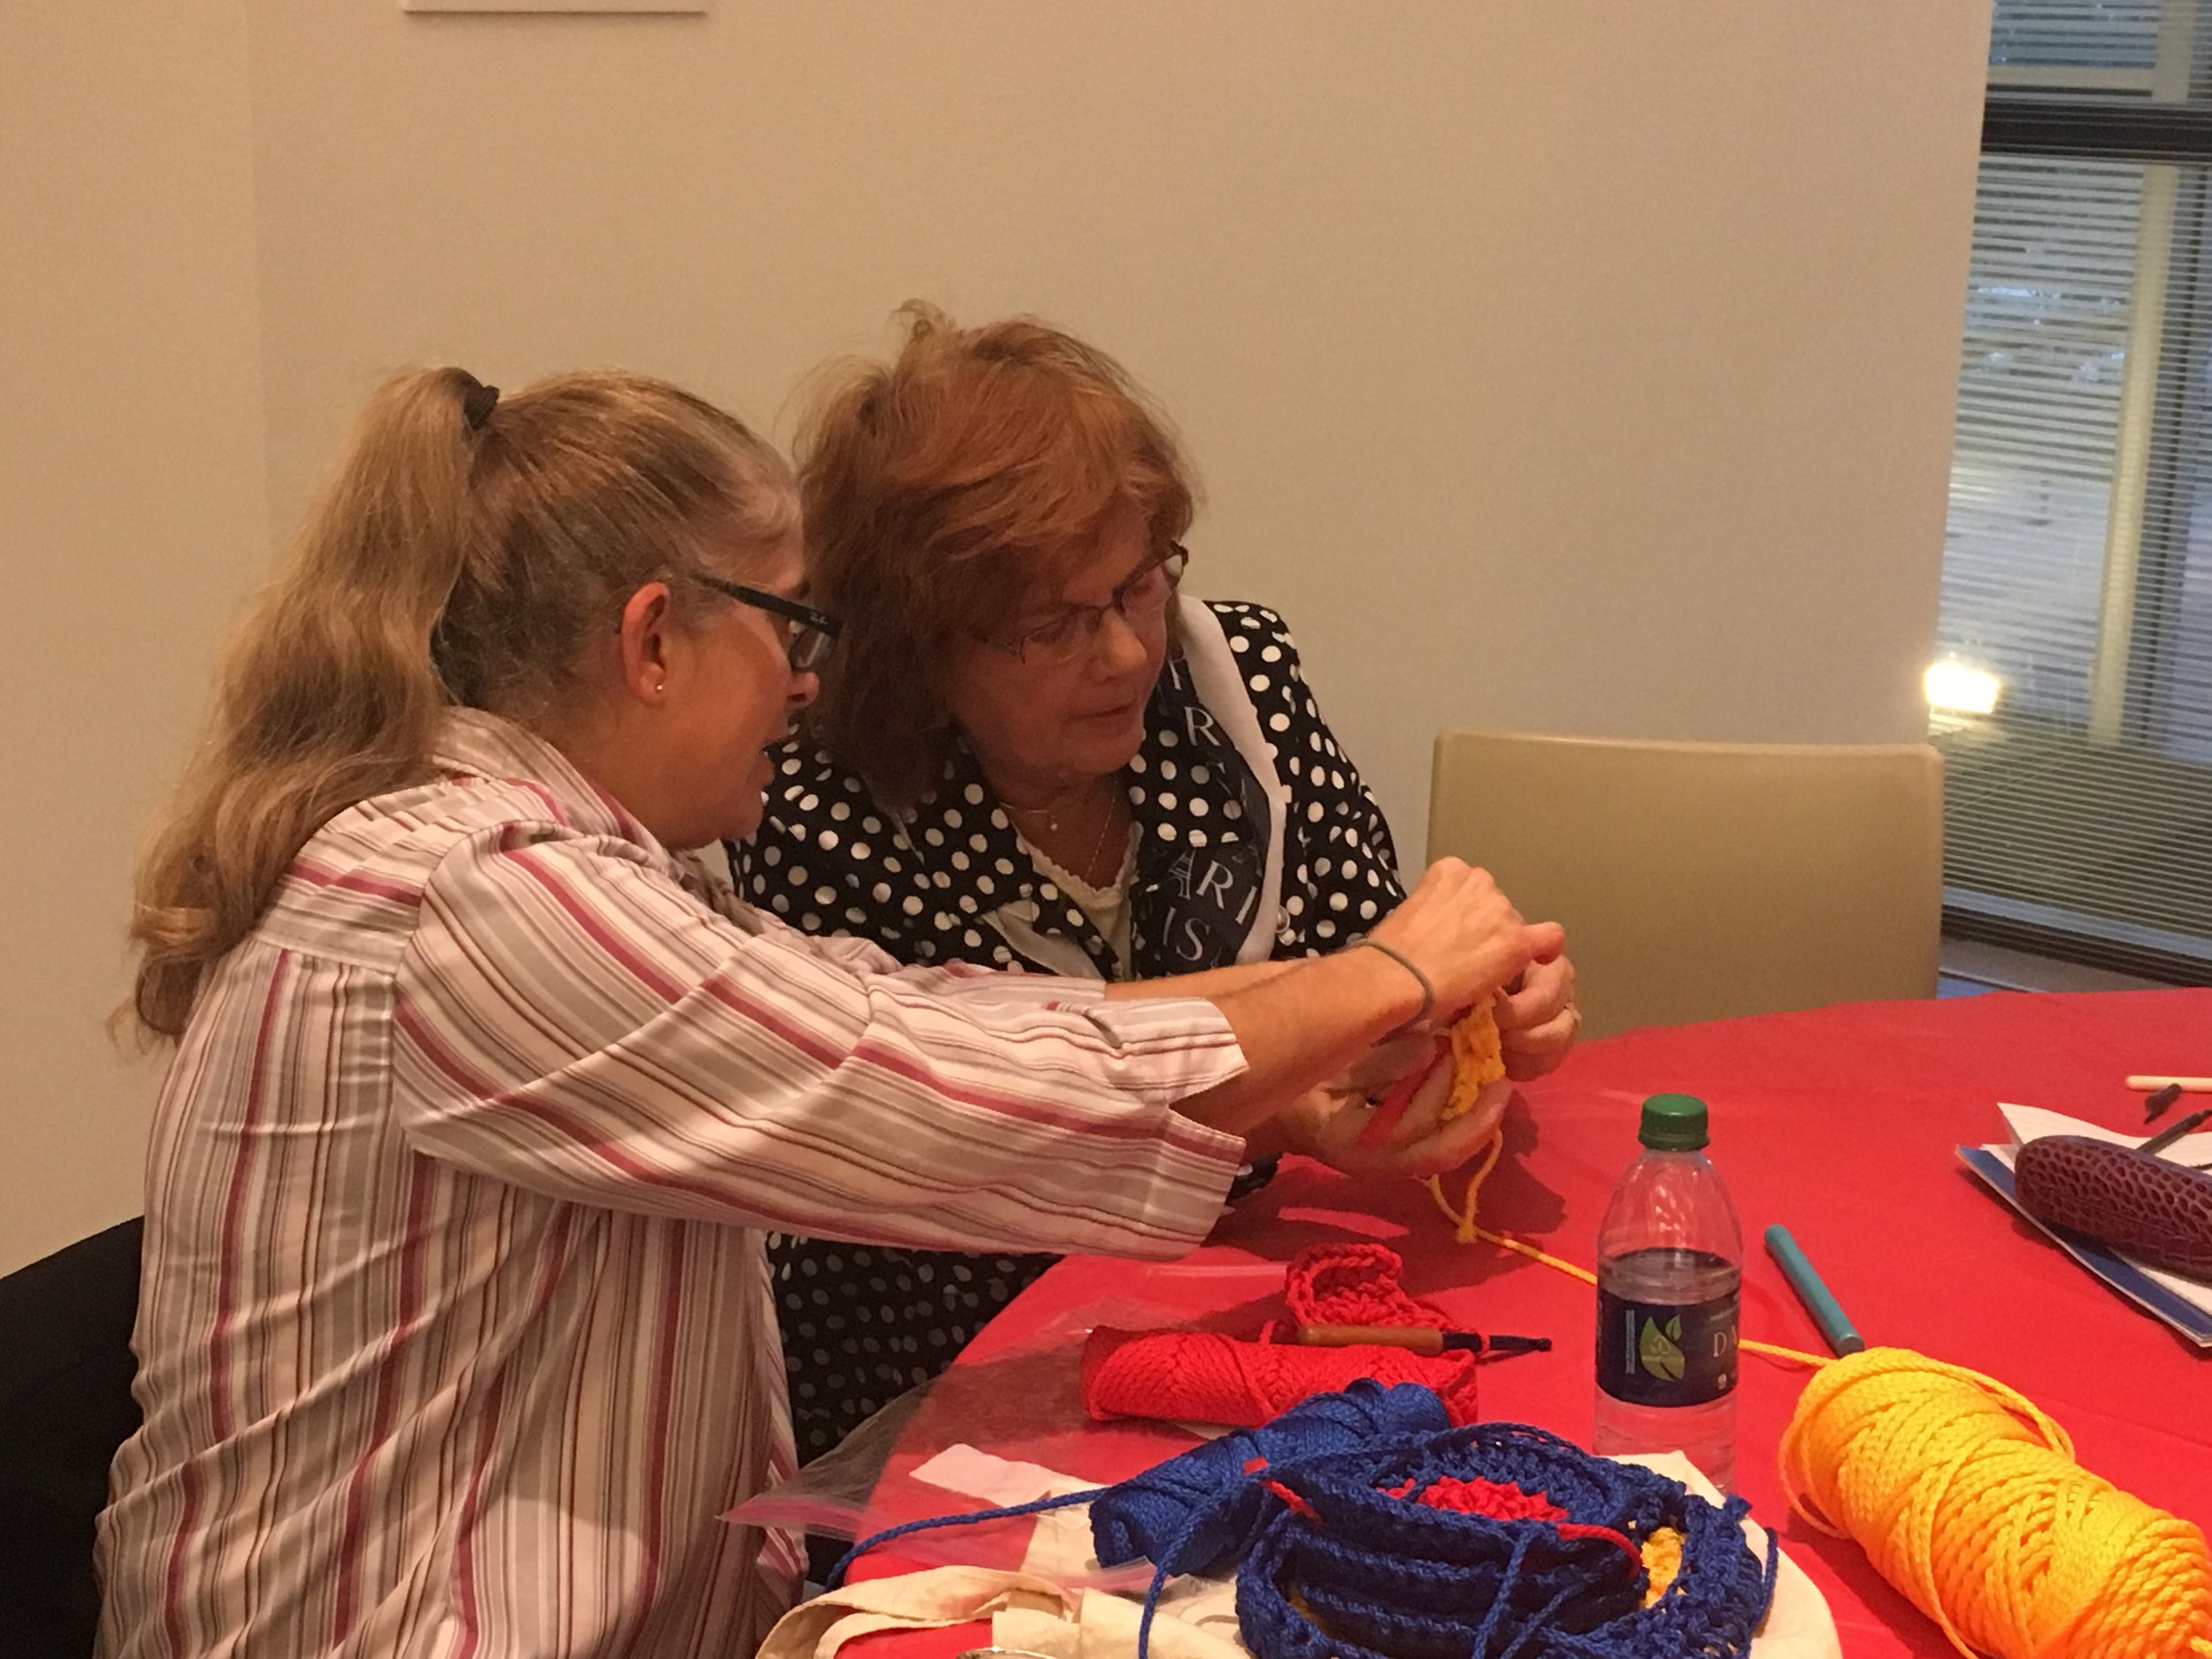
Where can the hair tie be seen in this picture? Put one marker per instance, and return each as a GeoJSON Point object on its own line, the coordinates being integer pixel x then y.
{"type": "Point", "coordinates": [477, 403]}
{"type": "Point", "coordinates": [1428, 987]}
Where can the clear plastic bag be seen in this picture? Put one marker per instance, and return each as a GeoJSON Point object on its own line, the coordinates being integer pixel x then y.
{"type": "Point", "coordinates": [1023, 1405]}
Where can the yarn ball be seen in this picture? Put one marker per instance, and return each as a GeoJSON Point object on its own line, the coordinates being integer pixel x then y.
{"type": "Point", "coordinates": [1967, 1498]}
{"type": "Point", "coordinates": [1204, 1377]}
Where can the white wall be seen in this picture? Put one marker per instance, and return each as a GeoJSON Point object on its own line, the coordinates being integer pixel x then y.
{"type": "Point", "coordinates": [1578, 366]}
{"type": "Point", "coordinates": [132, 515]}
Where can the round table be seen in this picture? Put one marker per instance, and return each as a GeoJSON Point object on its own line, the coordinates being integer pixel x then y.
{"type": "Point", "coordinates": [1841, 1124]}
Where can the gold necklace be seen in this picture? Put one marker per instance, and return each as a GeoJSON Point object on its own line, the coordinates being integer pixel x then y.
{"type": "Point", "coordinates": [1098, 846]}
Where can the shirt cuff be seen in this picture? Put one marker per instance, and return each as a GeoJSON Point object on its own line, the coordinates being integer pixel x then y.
{"type": "Point", "coordinates": [1178, 1047]}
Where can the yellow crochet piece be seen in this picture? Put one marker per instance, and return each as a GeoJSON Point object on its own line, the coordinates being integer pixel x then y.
{"type": "Point", "coordinates": [1477, 1060]}
{"type": "Point", "coordinates": [1663, 1560]}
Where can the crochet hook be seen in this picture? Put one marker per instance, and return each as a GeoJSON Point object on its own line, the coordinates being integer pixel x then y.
{"type": "Point", "coordinates": [2175, 1130]}
{"type": "Point", "coordinates": [1421, 1339]}
{"type": "Point", "coordinates": [1819, 1302]}
{"type": "Point", "coordinates": [1392, 1105]}
{"type": "Point", "coordinates": [2187, 1084]}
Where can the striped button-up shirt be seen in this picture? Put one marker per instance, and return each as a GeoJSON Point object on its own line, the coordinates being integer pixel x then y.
{"type": "Point", "coordinates": [455, 1337]}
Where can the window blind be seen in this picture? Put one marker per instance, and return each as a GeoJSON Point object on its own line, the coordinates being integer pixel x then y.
{"type": "Point", "coordinates": [2078, 561]}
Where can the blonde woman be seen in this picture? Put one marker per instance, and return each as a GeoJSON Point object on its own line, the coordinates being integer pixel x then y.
{"type": "Point", "coordinates": [455, 1336]}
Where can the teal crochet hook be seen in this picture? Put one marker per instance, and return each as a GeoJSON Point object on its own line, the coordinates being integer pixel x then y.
{"type": "Point", "coordinates": [1819, 1302]}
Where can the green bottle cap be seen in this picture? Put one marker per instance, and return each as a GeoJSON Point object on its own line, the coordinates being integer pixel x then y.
{"type": "Point", "coordinates": [1673, 1123]}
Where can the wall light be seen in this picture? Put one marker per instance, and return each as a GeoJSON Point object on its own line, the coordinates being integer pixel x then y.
{"type": "Point", "coordinates": [1961, 688]}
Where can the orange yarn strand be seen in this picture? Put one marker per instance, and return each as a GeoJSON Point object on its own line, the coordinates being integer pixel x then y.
{"type": "Point", "coordinates": [1470, 1232]}
{"type": "Point", "coordinates": [1463, 1215]}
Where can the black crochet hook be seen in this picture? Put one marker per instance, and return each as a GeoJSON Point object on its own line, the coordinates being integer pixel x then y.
{"type": "Point", "coordinates": [2175, 1130]}
{"type": "Point", "coordinates": [1420, 1339]}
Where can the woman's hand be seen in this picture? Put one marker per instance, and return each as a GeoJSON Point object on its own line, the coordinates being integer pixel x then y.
{"type": "Point", "coordinates": [1312, 1021]}
{"type": "Point", "coordinates": [1462, 932]}
{"type": "Point", "coordinates": [1334, 1126]}
{"type": "Point", "coordinates": [1538, 1019]}
{"type": "Point", "coordinates": [1387, 1063]}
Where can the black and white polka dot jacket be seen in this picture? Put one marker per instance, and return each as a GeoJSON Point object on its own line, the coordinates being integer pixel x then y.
{"type": "Point", "coordinates": [926, 885]}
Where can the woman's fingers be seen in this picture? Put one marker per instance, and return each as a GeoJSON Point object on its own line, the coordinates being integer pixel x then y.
{"type": "Point", "coordinates": [1388, 1063]}
{"type": "Point", "coordinates": [1546, 941]}
{"type": "Point", "coordinates": [1382, 1129]}
{"type": "Point", "coordinates": [1545, 990]}
{"type": "Point", "coordinates": [1538, 1023]}
{"type": "Point", "coordinates": [1538, 1051]}
{"type": "Point", "coordinates": [1342, 1133]}
{"type": "Point", "coordinates": [1432, 1092]}
{"type": "Point", "coordinates": [1455, 1143]}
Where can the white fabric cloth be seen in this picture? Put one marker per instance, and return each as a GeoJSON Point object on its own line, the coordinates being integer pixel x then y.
{"type": "Point", "coordinates": [1029, 1613]}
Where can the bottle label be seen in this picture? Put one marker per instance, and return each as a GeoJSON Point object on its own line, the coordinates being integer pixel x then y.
{"type": "Point", "coordinates": [1666, 1354]}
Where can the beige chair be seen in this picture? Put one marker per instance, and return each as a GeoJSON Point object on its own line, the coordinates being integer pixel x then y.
{"type": "Point", "coordinates": [1703, 880]}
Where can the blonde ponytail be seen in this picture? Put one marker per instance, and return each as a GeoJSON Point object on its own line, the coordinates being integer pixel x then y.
{"type": "Point", "coordinates": [450, 560]}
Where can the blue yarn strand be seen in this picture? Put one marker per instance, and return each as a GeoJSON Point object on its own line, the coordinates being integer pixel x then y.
{"type": "Point", "coordinates": [1036, 1506]}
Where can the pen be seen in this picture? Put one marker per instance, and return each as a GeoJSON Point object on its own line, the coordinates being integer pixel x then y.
{"type": "Point", "coordinates": [1826, 1311]}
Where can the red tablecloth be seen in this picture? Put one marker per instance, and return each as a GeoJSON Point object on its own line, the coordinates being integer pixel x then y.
{"type": "Point", "coordinates": [1839, 1124]}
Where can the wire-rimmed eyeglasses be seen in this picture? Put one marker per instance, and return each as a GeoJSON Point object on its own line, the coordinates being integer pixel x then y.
{"type": "Point", "coordinates": [1142, 597]}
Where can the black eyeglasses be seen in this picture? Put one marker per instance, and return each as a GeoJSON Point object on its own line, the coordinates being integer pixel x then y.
{"type": "Point", "coordinates": [813, 632]}
{"type": "Point", "coordinates": [1141, 599]}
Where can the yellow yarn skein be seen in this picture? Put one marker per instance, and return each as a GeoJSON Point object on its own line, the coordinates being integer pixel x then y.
{"type": "Point", "coordinates": [1966, 1496]}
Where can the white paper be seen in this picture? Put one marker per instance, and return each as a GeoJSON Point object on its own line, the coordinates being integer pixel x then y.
{"type": "Point", "coordinates": [999, 1481]}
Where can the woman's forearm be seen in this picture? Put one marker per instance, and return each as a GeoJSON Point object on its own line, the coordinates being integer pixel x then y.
{"type": "Point", "coordinates": [1213, 983]}
{"type": "Point", "coordinates": [1298, 1027]}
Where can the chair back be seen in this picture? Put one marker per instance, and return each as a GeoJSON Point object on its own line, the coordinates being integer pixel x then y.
{"type": "Point", "coordinates": [1704, 880]}
{"type": "Point", "coordinates": [65, 1407]}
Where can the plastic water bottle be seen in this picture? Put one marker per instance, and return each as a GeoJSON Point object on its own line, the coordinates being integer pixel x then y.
{"type": "Point", "coordinates": [1670, 1277]}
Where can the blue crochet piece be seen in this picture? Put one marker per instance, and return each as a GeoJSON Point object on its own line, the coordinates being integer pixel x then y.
{"type": "Point", "coordinates": [1320, 1514]}
{"type": "Point", "coordinates": [1352, 1565]}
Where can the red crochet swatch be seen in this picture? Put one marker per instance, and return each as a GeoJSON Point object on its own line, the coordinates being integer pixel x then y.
{"type": "Point", "coordinates": [1203, 1377]}
{"type": "Point", "coordinates": [1354, 1284]}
